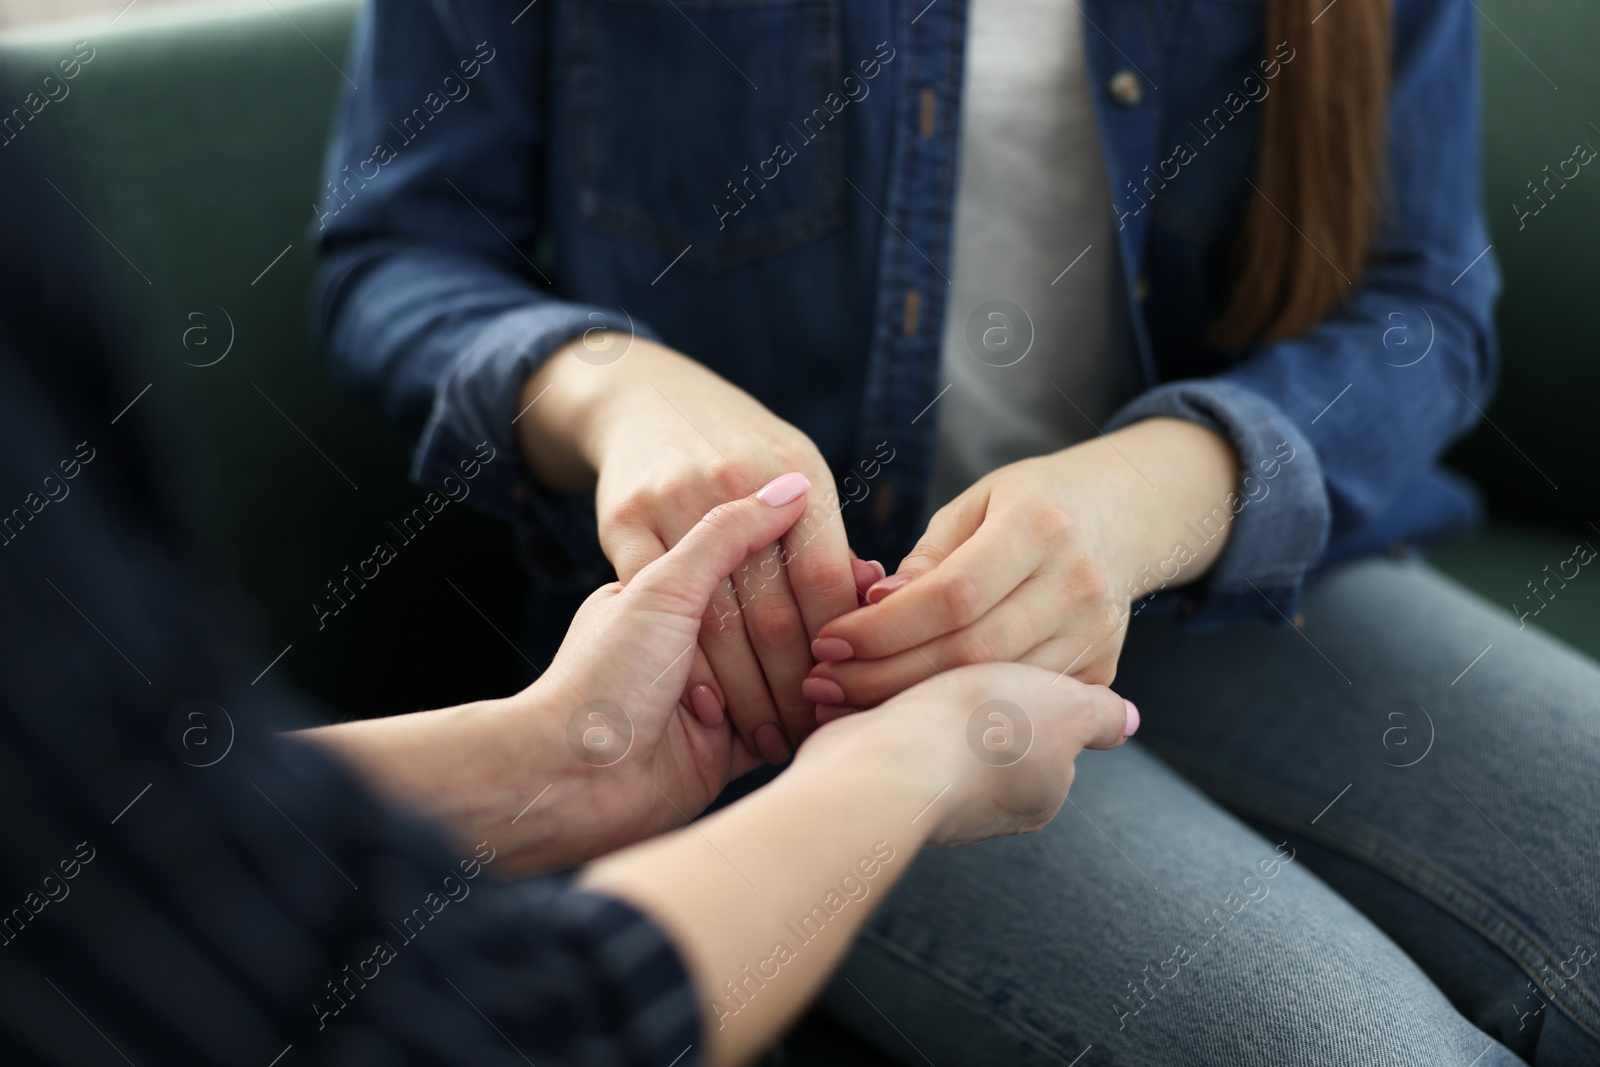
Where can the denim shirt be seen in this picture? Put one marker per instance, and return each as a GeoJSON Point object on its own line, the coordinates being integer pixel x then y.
{"type": "Point", "coordinates": [769, 187]}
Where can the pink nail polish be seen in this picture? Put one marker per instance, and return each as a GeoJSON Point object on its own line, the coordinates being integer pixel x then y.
{"type": "Point", "coordinates": [781, 490]}
{"type": "Point", "coordinates": [888, 585]}
{"type": "Point", "coordinates": [826, 713]}
{"type": "Point", "coordinates": [831, 649]}
{"type": "Point", "coordinates": [770, 743]}
{"type": "Point", "coordinates": [703, 702]}
{"type": "Point", "coordinates": [822, 691]}
{"type": "Point", "coordinates": [1133, 719]}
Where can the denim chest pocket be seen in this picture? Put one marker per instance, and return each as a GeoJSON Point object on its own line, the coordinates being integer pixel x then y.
{"type": "Point", "coordinates": [704, 124]}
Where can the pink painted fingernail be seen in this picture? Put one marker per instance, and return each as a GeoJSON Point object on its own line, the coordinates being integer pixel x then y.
{"type": "Point", "coordinates": [703, 702]}
{"type": "Point", "coordinates": [770, 743]}
{"type": "Point", "coordinates": [822, 691]}
{"type": "Point", "coordinates": [831, 649]}
{"type": "Point", "coordinates": [780, 491]}
{"type": "Point", "coordinates": [883, 588]}
{"type": "Point", "coordinates": [1133, 719]}
{"type": "Point", "coordinates": [826, 713]}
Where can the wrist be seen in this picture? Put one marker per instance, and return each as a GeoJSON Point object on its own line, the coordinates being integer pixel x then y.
{"type": "Point", "coordinates": [577, 409]}
{"type": "Point", "coordinates": [567, 409]}
{"type": "Point", "coordinates": [914, 747]}
{"type": "Point", "coordinates": [1172, 475]}
{"type": "Point", "coordinates": [550, 807]}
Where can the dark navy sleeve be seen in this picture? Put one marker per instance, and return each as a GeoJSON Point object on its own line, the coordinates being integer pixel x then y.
{"type": "Point", "coordinates": [179, 883]}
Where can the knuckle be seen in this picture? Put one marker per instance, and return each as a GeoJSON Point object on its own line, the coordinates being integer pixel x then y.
{"type": "Point", "coordinates": [1109, 622]}
{"type": "Point", "coordinates": [679, 499]}
{"type": "Point", "coordinates": [1101, 672]}
{"type": "Point", "coordinates": [959, 597]}
{"type": "Point", "coordinates": [971, 647]}
{"type": "Point", "coordinates": [721, 625]}
{"type": "Point", "coordinates": [1087, 581]}
{"type": "Point", "coordinates": [925, 550]}
{"type": "Point", "coordinates": [772, 622]}
{"type": "Point", "coordinates": [722, 517]}
{"type": "Point", "coordinates": [1046, 523]}
{"type": "Point", "coordinates": [728, 481]}
{"type": "Point", "coordinates": [635, 508]}
{"type": "Point", "coordinates": [818, 570]}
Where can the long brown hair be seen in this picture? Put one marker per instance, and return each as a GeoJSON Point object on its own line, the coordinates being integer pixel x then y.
{"type": "Point", "coordinates": [1320, 173]}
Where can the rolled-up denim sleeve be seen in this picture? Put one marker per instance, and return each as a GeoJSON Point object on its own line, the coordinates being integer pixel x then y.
{"type": "Point", "coordinates": [1277, 517]}
{"type": "Point", "coordinates": [430, 299]}
{"type": "Point", "coordinates": [1369, 399]}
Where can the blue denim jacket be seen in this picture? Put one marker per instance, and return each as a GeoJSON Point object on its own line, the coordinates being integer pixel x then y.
{"type": "Point", "coordinates": [768, 186]}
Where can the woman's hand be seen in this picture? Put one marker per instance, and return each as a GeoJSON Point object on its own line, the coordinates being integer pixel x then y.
{"type": "Point", "coordinates": [599, 752]}
{"type": "Point", "coordinates": [623, 665]}
{"type": "Point", "coordinates": [662, 440]}
{"type": "Point", "coordinates": [1036, 563]}
{"type": "Point", "coordinates": [1004, 734]}
{"type": "Point", "coordinates": [977, 753]}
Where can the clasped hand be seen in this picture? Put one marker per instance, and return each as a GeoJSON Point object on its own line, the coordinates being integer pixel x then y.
{"type": "Point", "coordinates": [1034, 564]}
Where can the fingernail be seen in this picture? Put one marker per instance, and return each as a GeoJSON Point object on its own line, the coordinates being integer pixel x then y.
{"type": "Point", "coordinates": [822, 691]}
{"type": "Point", "coordinates": [886, 586]}
{"type": "Point", "coordinates": [779, 491]}
{"type": "Point", "coordinates": [1133, 719]}
{"type": "Point", "coordinates": [879, 567]}
{"type": "Point", "coordinates": [703, 702]}
{"type": "Point", "coordinates": [770, 743]}
{"type": "Point", "coordinates": [831, 649]}
{"type": "Point", "coordinates": [826, 713]}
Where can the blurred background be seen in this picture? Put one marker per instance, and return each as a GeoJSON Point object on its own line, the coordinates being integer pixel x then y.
{"type": "Point", "coordinates": [22, 12]}
{"type": "Point", "coordinates": [190, 145]}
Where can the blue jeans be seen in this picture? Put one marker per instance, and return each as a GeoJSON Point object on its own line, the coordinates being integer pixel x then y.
{"type": "Point", "coordinates": [1358, 842]}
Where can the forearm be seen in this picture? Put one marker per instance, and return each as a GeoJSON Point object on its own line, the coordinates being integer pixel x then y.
{"type": "Point", "coordinates": [484, 778]}
{"type": "Point", "coordinates": [1171, 476]}
{"type": "Point", "coordinates": [764, 898]}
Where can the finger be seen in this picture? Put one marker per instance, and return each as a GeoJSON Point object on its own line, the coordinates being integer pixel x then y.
{"type": "Point", "coordinates": [816, 555]}
{"type": "Point", "coordinates": [692, 578]}
{"type": "Point", "coordinates": [705, 556]}
{"type": "Point", "coordinates": [1001, 636]}
{"type": "Point", "coordinates": [720, 741]}
{"type": "Point", "coordinates": [748, 701]}
{"type": "Point", "coordinates": [826, 713]}
{"type": "Point", "coordinates": [1093, 662]}
{"type": "Point", "coordinates": [970, 579]}
{"type": "Point", "coordinates": [777, 633]}
{"type": "Point", "coordinates": [631, 548]}
{"type": "Point", "coordinates": [866, 572]}
{"type": "Point", "coordinates": [701, 694]}
{"type": "Point", "coordinates": [949, 527]}
{"type": "Point", "coordinates": [1102, 718]}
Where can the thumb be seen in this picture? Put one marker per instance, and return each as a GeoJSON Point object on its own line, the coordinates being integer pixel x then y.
{"type": "Point", "coordinates": [1106, 719]}
{"type": "Point", "coordinates": [693, 568]}
{"type": "Point", "coordinates": [950, 527]}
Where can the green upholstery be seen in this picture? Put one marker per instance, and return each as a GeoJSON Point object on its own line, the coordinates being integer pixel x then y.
{"type": "Point", "coordinates": [192, 141]}
{"type": "Point", "coordinates": [1536, 462]}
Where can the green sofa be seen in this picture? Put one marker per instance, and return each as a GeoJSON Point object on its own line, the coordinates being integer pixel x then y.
{"type": "Point", "coordinates": [191, 141]}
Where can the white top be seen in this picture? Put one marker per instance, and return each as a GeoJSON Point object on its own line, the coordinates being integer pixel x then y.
{"type": "Point", "coordinates": [1033, 228]}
